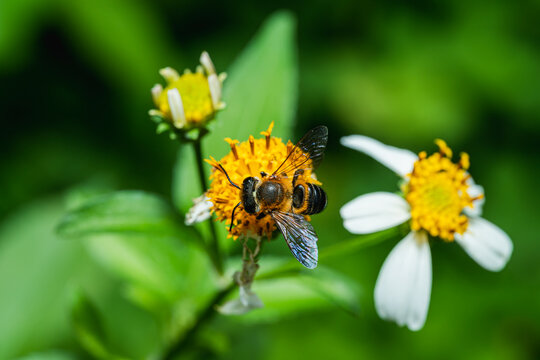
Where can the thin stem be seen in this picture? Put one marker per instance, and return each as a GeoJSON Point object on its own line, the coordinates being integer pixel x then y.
{"type": "Point", "coordinates": [214, 250]}
{"type": "Point", "coordinates": [206, 315]}
{"type": "Point", "coordinates": [359, 242]}
{"type": "Point", "coordinates": [342, 248]}
{"type": "Point", "coordinates": [200, 168]}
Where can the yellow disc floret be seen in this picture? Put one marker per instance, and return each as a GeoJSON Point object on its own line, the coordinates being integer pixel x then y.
{"type": "Point", "coordinates": [196, 98]}
{"type": "Point", "coordinates": [189, 100]}
{"type": "Point", "coordinates": [437, 193]}
{"type": "Point", "coordinates": [246, 159]}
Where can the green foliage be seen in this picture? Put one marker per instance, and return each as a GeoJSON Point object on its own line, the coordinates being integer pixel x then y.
{"type": "Point", "coordinates": [122, 212]}
{"type": "Point", "coordinates": [36, 271]}
{"type": "Point", "coordinates": [287, 289]}
{"type": "Point", "coordinates": [49, 355]}
{"type": "Point", "coordinates": [407, 73]}
{"type": "Point", "coordinates": [87, 324]}
{"type": "Point", "coordinates": [261, 86]}
{"type": "Point", "coordinates": [17, 25]}
{"type": "Point", "coordinates": [128, 52]}
{"type": "Point", "coordinates": [136, 237]}
{"type": "Point", "coordinates": [304, 291]}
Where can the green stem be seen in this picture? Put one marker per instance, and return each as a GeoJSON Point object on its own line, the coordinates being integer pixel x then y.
{"type": "Point", "coordinates": [341, 248]}
{"type": "Point", "coordinates": [206, 315]}
{"type": "Point", "coordinates": [359, 242]}
{"type": "Point", "coordinates": [199, 160]}
{"type": "Point", "coordinates": [214, 250]}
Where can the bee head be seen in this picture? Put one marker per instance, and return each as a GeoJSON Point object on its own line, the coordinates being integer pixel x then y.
{"type": "Point", "coordinates": [249, 201]}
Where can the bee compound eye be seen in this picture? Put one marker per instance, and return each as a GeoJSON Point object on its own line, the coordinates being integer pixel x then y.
{"type": "Point", "coordinates": [248, 187]}
{"type": "Point", "coordinates": [298, 196]}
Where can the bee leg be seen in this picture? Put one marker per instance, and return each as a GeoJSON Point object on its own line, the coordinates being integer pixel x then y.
{"type": "Point", "coordinates": [232, 216]}
{"type": "Point", "coordinates": [263, 174]}
{"type": "Point", "coordinates": [261, 215]}
{"type": "Point", "coordinates": [297, 173]}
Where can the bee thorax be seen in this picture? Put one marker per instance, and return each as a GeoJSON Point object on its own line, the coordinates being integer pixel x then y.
{"type": "Point", "coordinates": [270, 193]}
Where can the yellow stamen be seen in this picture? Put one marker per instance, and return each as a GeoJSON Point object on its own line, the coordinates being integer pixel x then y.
{"type": "Point", "coordinates": [464, 161]}
{"type": "Point", "coordinates": [437, 193]}
{"type": "Point", "coordinates": [268, 134]}
{"type": "Point", "coordinates": [233, 143]}
{"type": "Point", "coordinates": [251, 157]}
{"type": "Point", "coordinates": [443, 148]}
{"type": "Point", "coordinates": [252, 144]}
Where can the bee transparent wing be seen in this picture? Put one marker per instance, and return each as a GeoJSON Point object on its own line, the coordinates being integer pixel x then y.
{"type": "Point", "coordinates": [300, 236]}
{"type": "Point", "coordinates": [307, 153]}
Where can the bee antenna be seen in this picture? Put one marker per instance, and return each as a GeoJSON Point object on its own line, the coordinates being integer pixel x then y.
{"type": "Point", "coordinates": [228, 178]}
{"type": "Point", "coordinates": [232, 216]}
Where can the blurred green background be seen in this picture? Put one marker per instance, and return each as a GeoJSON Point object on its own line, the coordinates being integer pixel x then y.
{"type": "Point", "coordinates": [75, 79]}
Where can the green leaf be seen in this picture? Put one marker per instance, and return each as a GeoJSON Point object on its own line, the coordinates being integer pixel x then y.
{"type": "Point", "coordinates": [312, 291]}
{"type": "Point", "coordinates": [347, 247]}
{"type": "Point", "coordinates": [18, 21]}
{"type": "Point", "coordinates": [88, 327]}
{"type": "Point", "coordinates": [162, 127]}
{"type": "Point", "coordinates": [133, 212]}
{"type": "Point", "coordinates": [261, 87]}
{"type": "Point", "coordinates": [126, 40]}
{"type": "Point", "coordinates": [49, 355]}
{"type": "Point", "coordinates": [136, 236]}
{"type": "Point", "coordinates": [36, 269]}
{"type": "Point", "coordinates": [287, 289]}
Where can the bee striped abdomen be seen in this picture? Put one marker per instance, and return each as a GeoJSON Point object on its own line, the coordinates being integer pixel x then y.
{"type": "Point", "coordinates": [309, 202]}
{"type": "Point", "coordinates": [316, 200]}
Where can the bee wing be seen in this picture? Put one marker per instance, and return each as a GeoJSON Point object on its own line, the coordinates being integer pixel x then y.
{"type": "Point", "coordinates": [307, 153]}
{"type": "Point", "coordinates": [300, 236]}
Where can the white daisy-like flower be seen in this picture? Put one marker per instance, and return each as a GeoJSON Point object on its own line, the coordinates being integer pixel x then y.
{"type": "Point", "coordinates": [440, 199]}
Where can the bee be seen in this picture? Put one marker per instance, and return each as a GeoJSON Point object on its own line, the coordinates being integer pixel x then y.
{"type": "Point", "coordinates": [288, 199]}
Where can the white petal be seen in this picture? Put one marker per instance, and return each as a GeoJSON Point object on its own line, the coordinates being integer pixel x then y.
{"type": "Point", "coordinates": [177, 108]}
{"type": "Point", "coordinates": [486, 243]}
{"type": "Point", "coordinates": [169, 74]}
{"type": "Point", "coordinates": [373, 212]}
{"type": "Point", "coordinates": [156, 92]}
{"type": "Point", "coordinates": [200, 211]}
{"type": "Point", "coordinates": [232, 307]}
{"type": "Point", "coordinates": [215, 89]}
{"type": "Point", "coordinates": [249, 298]}
{"type": "Point", "coordinates": [207, 63]}
{"type": "Point", "coordinates": [154, 112]}
{"type": "Point", "coordinates": [248, 301]}
{"type": "Point", "coordinates": [475, 190]}
{"type": "Point", "coordinates": [403, 287]}
{"type": "Point", "coordinates": [222, 77]}
{"type": "Point", "coordinates": [400, 161]}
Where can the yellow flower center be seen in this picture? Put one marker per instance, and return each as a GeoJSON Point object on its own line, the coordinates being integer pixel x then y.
{"type": "Point", "coordinates": [196, 98]}
{"type": "Point", "coordinates": [437, 193]}
{"type": "Point", "coordinates": [246, 159]}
